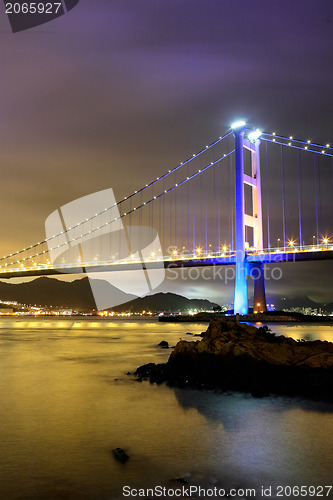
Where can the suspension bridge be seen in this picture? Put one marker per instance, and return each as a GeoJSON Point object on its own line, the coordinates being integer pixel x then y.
{"type": "Point", "coordinates": [248, 199]}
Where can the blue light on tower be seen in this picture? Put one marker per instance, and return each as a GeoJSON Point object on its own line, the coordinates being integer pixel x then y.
{"type": "Point", "coordinates": [241, 297]}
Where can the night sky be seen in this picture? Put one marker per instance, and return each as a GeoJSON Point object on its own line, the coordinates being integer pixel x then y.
{"type": "Point", "coordinates": [115, 93]}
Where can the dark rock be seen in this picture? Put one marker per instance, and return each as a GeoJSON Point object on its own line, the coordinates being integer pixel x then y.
{"type": "Point", "coordinates": [239, 357]}
{"type": "Point", "coordinates": [128, 373]}
{"type": "Point", "coordinates": [189, 333]}
{"type": "Point", "coordinates": [163, 344]}
{"type": "Point", "coordinates": [120, 455]}
{"type": "Point", "coordinates": [181, 480]}
{"type": "Point", "coordinates": [144, 371]}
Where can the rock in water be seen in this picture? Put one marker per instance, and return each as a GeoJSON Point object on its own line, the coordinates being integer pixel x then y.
{"type": "Point", "coordinates": [240, 357]}
{"type": "Point", "coordinates": [120, 455]}
{"type": "Point", "coordinates": [163, 344]}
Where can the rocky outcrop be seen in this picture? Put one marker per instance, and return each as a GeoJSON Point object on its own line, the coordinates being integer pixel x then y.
{"type": "Point", "coordinates": [120, 455]}
{"type": "Point", "coordinates": [163, 344]}
{"type": "Point", "coordinates": [241, 357]}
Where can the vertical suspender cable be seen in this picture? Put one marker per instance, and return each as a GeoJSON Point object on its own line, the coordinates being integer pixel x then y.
{"type": "Point", "coordinates": [182, 215]}
{"type": "Point", "coordinates": [201, 209]}
{"type": "Point", "coordinates": [320, 212]}
{"type": "Point", "coordinates": [299, 190]}
{"type": "Point", "coordinates": [267, 202]}
{"type": "Point", "coordinates": [188, 212]}
{"type": "Point", "coordinates": [316, 196]}
{"type": "Point", "coordinates": [329, 218]}
{"type": "Point", "coordinates": [175, 213]}
{"type": "Point", "coordinates": [159, 228]}
{"type": "Point", "coordinates": [193, 214]}
{"type": "Point", "coordinates": [140, 221]}
{"type": "Point", "coordinates": [164, 216]}
{"type": "Point", "coordinates": [229, 206]}
{"type": "Point", "coordinates": [151, 216]}
{"type": "Point", "coordinates": [218, 209]}
{"type": "Point", "coordinates": [170, 220]}
{"type": "Point", "coordinates": [232, 205]}
{"type": "Point", "coordinates": [130, 226]}
{"type": "Point", "coordinates": [215, 228]}
{"type": "Point", "coordinates": [283, 201]}
{"type": "Point", "coordinates": [206, 230]}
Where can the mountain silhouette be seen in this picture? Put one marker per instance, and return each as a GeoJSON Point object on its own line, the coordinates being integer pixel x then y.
{"type": "Point", "coordinates": [77, 295]}
{"type": "Point", "coordinates": [168, 302]}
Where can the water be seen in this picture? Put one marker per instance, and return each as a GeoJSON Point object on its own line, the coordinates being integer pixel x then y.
{"type": "Point", "coordinates": [66, 402]}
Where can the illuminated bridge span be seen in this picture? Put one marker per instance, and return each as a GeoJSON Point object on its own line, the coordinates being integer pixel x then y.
{"type": "Point", "coordinates": [247, 199]}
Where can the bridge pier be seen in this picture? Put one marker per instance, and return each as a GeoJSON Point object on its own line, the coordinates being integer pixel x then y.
{"type": "Point", "coordinates": [259, 295]}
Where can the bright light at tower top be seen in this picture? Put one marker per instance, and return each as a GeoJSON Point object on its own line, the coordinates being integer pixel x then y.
{"type": "Point", "coordinates": [238, 124]}
{"type": "Point", "coordinates": [254, 136]}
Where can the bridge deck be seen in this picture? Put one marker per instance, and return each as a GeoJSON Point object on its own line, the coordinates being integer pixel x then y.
{"type": "Point", "coordinates": [172, 263]}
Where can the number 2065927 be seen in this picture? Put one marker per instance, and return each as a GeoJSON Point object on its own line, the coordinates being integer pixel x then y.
{"type": "Point", "coordinates": [33, 8]}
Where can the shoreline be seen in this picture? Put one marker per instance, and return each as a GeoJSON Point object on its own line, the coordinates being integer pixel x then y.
{"type": "Point", "coordinates": [276, 317]}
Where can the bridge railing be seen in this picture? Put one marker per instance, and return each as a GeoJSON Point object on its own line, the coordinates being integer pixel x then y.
{"type": "Point", "coordinates": [221, 256]}
{"type": "Point", "coordinates": [291, 249]}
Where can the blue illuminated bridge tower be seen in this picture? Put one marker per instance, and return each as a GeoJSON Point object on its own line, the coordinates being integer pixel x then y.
{"type": "Point", "coordinates": [254, 221]}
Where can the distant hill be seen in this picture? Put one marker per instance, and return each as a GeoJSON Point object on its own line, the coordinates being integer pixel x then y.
{"type": "Point", "coordinates": [50, 292]}
{"type": "Point", "coordinates": [77, 295]}
{"type": "Point", "coordinates": [302, 301]}
{"type": "Point", "coordinates": [169, 302]}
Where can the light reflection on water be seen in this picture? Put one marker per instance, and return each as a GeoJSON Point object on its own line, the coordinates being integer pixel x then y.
{"type": "Point", "coordinates": [306, 331]}
{"type": "Point", "coordinates": [67, 401]}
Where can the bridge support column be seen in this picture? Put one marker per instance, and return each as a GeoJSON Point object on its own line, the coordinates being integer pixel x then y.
{"type": "Point", "coordinates": [241, 297]}
{"type": "Point", "coordinates": [259, 296]}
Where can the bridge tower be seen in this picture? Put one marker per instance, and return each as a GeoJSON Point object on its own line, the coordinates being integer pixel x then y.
{"type": "Point", "coordinates": [252, 143]}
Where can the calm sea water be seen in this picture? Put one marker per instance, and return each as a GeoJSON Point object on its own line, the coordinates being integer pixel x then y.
{"type": "Point", "coordinates": [66, 402]}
